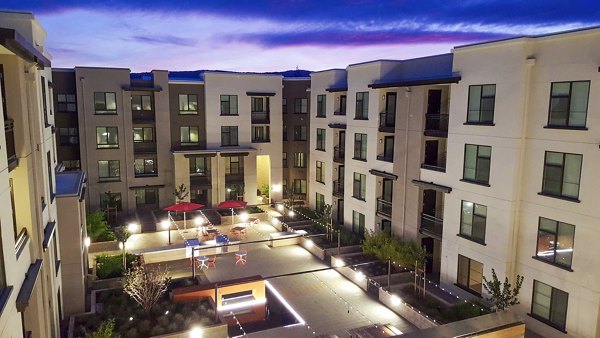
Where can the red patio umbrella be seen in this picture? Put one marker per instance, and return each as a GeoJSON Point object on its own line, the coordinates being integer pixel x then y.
{"type": "Point", "coordinates": [184, 207]}
{"type": "Point", "coordinates": [232, 204]}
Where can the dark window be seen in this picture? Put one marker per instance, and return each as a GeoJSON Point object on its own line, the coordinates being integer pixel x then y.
{"type": "Point", "coordinates": [284, 158]}
{"type": "Point", "coordinates": [284, 106]}
{"type": "Point", "coordinates": [200, 166]}
{"type": "Point", "coordinates": [359, 186]}
{"type": "Point", "coordinates": [44, 101]}
{"type": "Point", "coordinates": [481, 103]}
{"type": "Point", "coordinates": [358, 223]}
{"type": "Point", "coordinates": [71, 165]}
{"type": "Point", "coordinates": [189, 135]}
{"type": "Point", "coordinates": [105, 103]}
{"type": "Point", "coordinates": [229, 136]}
{"type": "Point", "coordinates": [2, 269]}
{"type": "Point", "coordinates": [569, 104]}
{"type": "Point", "coordinates": [235, 165]}
{"type": "Point", "coordinates": [562, 173]}
{"type": "Point", "coordinates": [299, 160]}
{"type": "Point", "coordinates": [145, 167]}
{"type": "Point", "coordinates": [229, 105]}
{"type": "Point", "coordinates": [555, 242]}
{"type": "Point", "coordinates": [321, 139]}
{"type": "Point", "coordinates": [109, 170]}
{"type": "Point", "coordinates": [362, 106]}
{"type": "Point", "coordinates": [111, 200]}
{"type": "Point", "coordinates": [66, 103]}
{"type": "Point", "coordinates": [146, 196]}
{"type": "Point", "coordinates": [143, 135]}
{"type": "Point", "coordinates": [107, 137]}
{"type": "Point", "coordinates": [320, 172]}
{"type": "Point", "coordinates": [68, 136]}
{"type": "Point", "coordinates": [141, 102]}
{"type": "Point", "coordinates": [319, 202]}
{"type": "Point", "coordinates": [473, 220]}
{"type": "Point", "coordinates": [321, 100]}
{"type": "Point", "coordinates": [301, 106]}
{"type": "Point", "coordinates": [50, 176]}
{"type": "Point", "coordinates": [360, 146]}
{"type": "Point", "coordinates": [285, 133]}
{"type": "Point", "coordinates": [342, 110]}
{"type": "Point", "coordinates": [300, 133]}
{"type": "Point", "coordinates": [477, 163]}
{"type": "Point", "coordinates": [549, 304]}
{"type": "Point", "coordinates": [300, 186]}
{"type": "Point", "coordinates": [258, 104]}
{"type": "Point", "coordinates": [470, 274]}
{"type": "Point", "coordinates": [188, 104]}
{"type": "Point", "coordinates": [261, 134]}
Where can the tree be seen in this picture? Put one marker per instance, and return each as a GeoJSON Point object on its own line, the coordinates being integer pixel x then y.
{"type": "Point", "coordinates": [384, 246]}
{"type": "Point", "coordinates": [503, 295]}
{"type": "Point", "coordinates": [325, 219]}
{"type": "Point", "coordinates": [180, 193]}
{"type": "Point", "coordinates": [106, 330]}
{"type": "Point", "coordinates": [146, 286]}
{"type": "Point", "coordinates": [97, 227]}
{"type": "Point", "coordinates": [122, 235]}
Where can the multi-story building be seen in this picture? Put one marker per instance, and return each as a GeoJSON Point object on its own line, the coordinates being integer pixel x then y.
{"type": "Point", "coordinates": [30, 269]}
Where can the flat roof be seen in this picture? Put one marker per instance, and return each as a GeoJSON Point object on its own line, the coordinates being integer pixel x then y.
{"type": "Point", "coordinates": [70, 183]}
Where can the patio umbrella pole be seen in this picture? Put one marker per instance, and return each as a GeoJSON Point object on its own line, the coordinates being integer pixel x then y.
{"type": "Point", "coordinates": [232, 222]}
{"type": "Point", "coordinates": [184, 225]}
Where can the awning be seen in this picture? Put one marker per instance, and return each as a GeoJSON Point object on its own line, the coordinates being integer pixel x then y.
{"type": "Point", "coordinates": [213, 154]}
{"type": "Point", "coordinates": [337, 89]}
{"type": "Point", "coordinates": [31, 277]}
{"type": "Point", "coordinates": [432, 186]}
{"type": "Point", "coordinates": [16, 43]}
{"type": "Point", "coordinates": [147, 186]}
{"type": "Point", "coordinates": [49, 231]}
{"type": "Point", "coordinates": [383, 174]}
{"type": "Point", "coordinates": [417, 82]}
{"type": "Point", "coordinates": [260, 94]}
{"type": "Point", "coordinates": [337, 125]}
{"type": "Point", "coordinates": [235, 154]}
{"type": "Point", "coordinates": [130, 88]}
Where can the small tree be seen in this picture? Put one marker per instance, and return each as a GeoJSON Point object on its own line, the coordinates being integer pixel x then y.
{"type": "Point", "coordinates": [146, 286]}
{"type": "Point", "coordinates": [122, 235]}
{"type": "Point", "coordinates": [106, 330]}
{"type": "Point", "coordinates": [325, 219]}
{"type": "Point", "coordinates": [503, 295]}
{"type": "Point", "coordinates": [180, 193]}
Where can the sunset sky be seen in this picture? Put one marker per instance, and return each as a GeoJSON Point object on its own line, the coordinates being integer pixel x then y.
{"type": "Point", "coordinates": [244, 35]}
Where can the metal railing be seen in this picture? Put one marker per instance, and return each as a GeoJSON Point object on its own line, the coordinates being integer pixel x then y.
{"type": "Point", "coordinates": [384, 207]}
{"type": "Point", "coordinates": [387, 157]}
{"type": "Point", "coordinates": [438, 163]}
{"type": "Point", "coordinates": [339, 153]}
{"type": "Point", "coordinates": [338, 188]}
{"type": "Point", "coordinates": [387, 120]}
{"type": "Point", "coordinates": [260, 117]}
{"type": "Point", "coordinates": [9, 134]}
{"type": "Point", "coordinates": [436, 122]}
{"type": "Point", "coordinates": [432, 225]}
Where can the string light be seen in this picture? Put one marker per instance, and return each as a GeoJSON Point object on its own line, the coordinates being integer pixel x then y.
{"type": "Point", "coordinates": [238, 323]}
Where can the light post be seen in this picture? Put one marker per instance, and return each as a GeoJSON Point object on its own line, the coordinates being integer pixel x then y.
{"type": "Point", "coordinates": [166, 224]}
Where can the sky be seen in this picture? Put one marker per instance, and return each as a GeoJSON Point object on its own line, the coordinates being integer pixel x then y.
{"type": "Point", "coordinates": [276, 35]}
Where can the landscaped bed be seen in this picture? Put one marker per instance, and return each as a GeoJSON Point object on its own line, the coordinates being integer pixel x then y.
{"type": "Point", "coordinates": [130, 321]}
{"type": "Point", "coordinates": [375, 268]}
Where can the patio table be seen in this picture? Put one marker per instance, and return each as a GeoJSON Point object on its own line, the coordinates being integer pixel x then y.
{"type": "Point", "coordinates": [240, 257]}
{"type": "Point", "coordinates": [202, 260]}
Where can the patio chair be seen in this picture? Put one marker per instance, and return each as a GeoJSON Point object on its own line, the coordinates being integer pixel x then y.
{"type": "Point", "coordinates": [212, 261]}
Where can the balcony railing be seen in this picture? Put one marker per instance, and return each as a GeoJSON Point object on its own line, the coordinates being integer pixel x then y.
{"type": "Point", "coordinates": [436, 125]}
{"type": "Point", "coordinates": [21, 241]}
{"type": "Point", "coordinates": [338, 189]}
{"type": "Point", "coordinates": [261, 139]}
{"type": "Point", "coordinates": [387, 122]}
{"type": "Point", "coordinates": [142, 115]}
{"type": "Point", "coordinates": [260, 117]}
{"type": "Point", "coordinates": [144, 147]}
{"type": "Point", "coordinates": [432, 225]}
{"type": "Point", "coordinates": [339, 153]}
{"type": "Point", "coordinates": [386, 157]}
{"type": "Point", "coordinates": [438, 163]}
{"type": "Point", "coordinates": [202, 180]}
{"type": "Point", "coordinates": [9, 133]}
{"type": "Point", "coordinates": [384, 207]}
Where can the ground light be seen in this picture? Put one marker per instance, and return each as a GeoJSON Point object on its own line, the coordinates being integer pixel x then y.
{"type": "Point", "coordinates": [165, 224]}
{"type": "Point", "coordinates": [244, 217]}
{"type": "Point", "coordinates": [395, 300]}
{"type": "Point", "coordinates": [291, 213]}
{"type": "Point", "coordinates": [196, 332]}
{"type": "Point", "coordinates": [280, 207]}
{"type": "Point", "coordinates": [360, 276]}
{"type": "Point", "coordinates": [309, 243]}
{"type": "Point", "coordinates": [339, 263]}
{"type": "Point", "coordinates": [198, 221]}
{"type": "Point", "coordinates": [87, 242]}
{"type": "Point", "coordinates": [132, 227]}
{"type": "Point", "coordinates": [276, 187]}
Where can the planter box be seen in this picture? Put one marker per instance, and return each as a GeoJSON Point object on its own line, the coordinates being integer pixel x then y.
{"type": "Point", "coordinates": [216, 331]}
{"type": "Point", "coordinates": [283, 239]}
{"type": "Point", "coordinates": [412, 315]}
{"type": "Point", "coordinates": [314, 249]}
{"type": "Point", "coordinates": [106, 284]}
{"type": "Point", "coordinates": [103, 246]}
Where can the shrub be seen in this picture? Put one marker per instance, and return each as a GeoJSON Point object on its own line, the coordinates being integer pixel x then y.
{"type": "Point", "coordinates": [112, 266]}
{"type": "Point", "coordinates": [105, 330]}
{"type": "Point", "coordinates": [464, 310]}
{"type": "Point", "coordinates": [384, 246]}
{"type": "Point", "coordinates": [97, 228]}
{"type": "Point", "coordinates": [146, 286]}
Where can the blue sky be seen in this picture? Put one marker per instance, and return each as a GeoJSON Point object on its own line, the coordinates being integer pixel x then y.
{"type": "Point", "coordinates": [244, 35]}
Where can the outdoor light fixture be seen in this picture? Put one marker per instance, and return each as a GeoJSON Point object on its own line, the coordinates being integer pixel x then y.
{"type": "Point", "coordinates": [244, 217]}
{"type": "Point", "coordinates": [132, 227]}
{"type": "Point", "coordinates": [87, 241]}
{"type": "Point", "coordinates": [198, 221]}
{"type": "Point", "coordinates": [120, 245]}
{"type": "Point", "coordinates": [165, 224]}
{"type": "Point", "coordinates": [339, 263]}
{"type": "Point", "coordinates": [196, 332]}
{"type": "Point", "coordinates": [228, 189]}
{"type": "Point", "coordinates": [276, 187]}
{"type": "Point", "coordinates": [395, 300]}
{"type": "Point", "coordinates": [242, 305]}
{"type": "Point", "coordinates": [309, 243]}
{"type": "Point", "coordinates": [280, 207]}
{"type": "Point", "coordinates": [275, 221]}
{"type": "Point", "coordinates": [360, 276]}
{"type": "Point", "coordinates": [291, 213]}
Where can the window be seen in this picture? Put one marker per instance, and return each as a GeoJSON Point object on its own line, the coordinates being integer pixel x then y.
{"type": "Point", "coordinates": [481, 104]}
{"type": "Point", "coordinates": [342, 110]}
{"type": "Point", "coordinates": [359, 186]}
{"type": "Point", "coordinates": [569, 104]}
{"type": "Point", "coordinates": [320, 172]}
{"type": "Point", "coordinates": [472, 221]}
{"type": "Point", "coordinates": [555, 242]}
{"type": "Point", "coordinates": [362, 106]}
{"type": "Point", "coordinates": [110, 200]}
{"type": "Point", "coordinates": [285, 137]}
{"type": "Point", "coordinates": [234, 166]}
{"type": "Point", "coordinates": [358, 223]}
{"type": "Point", "coordinates": [200, 166]}
{"type": "Point", "coordinates": [109, 170]}
{"type": "Point", "coordinates": [321, 139]}
{"type": "Point", "coordinates": [143, 135]}
{"type": "Point", "coordinates": [257, 104]}
{"type": "Point", "coordinates": [321, 106]}
{"type": "Point", "coordinates": [189, 135]}
{"type": "Point", "coordinates": [470, 274]}
{"type": "Point", "coordinates": [229, 105]}
{"type": "Point", "coordinates": [319, 202]}
{"type": "Point", "coordinates": [284, 157]}
{"type": "Point", "coordinates": [68, 136]}
{"type": "Point", "coordinates": [66, 103]}
{"type": "Point", "coordinates": [300, 133]}
{"type": "Point", "coordinates": [105, 103]}
{"type": "Point", "coordinates": [71, 165]}
{"type": "Point", "coordinates": [145, 167]}
{"type": "Point", "coordinates": [300, 187]}
{"type": "Point", "coordinates": [188, 104]}
{"type": "Point", "coordinates": [50, 168]}
{"type": "Point", "coordinates": [141, 102]}
{"type": "Point", "coordinates": [477, 163]}
{"type": "Point", "coordinates": [301, 106]}
{"type": "Point", "coordinates": [261, 134]}
{"type": "Point", "coordinates": [44, 101]}
{"type": "Point", "coordinates": [284, 106]}
{"type": "Point", "coordinates": [549, 305]}
{"type": "Point", "coordinates": [229, 136]}
{"type": "Point", "coordinates": [299, 160]}
{"type": "Point", "coordinates": [146, 196]}
{"type": "Point", "coordinates": [107, 137]}
{"type": "Point", "coordinates": [562, 173]}
{"type": "Point", "coordinates": [360, 146]}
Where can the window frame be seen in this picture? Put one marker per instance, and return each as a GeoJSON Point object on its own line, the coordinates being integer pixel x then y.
{"type": "Point", "coordinates": [143, 130]}
{"type": "Point", "coordinates": [549, 125]}
{"type": "Point", "coordinates": [562, 168]}
{"type": "Point", "coordinates": [465, 235]}
{"type": "Point", "coordinates": [284, 105]}
{"type": "Point", "coordinates": [119, 199]}
{"type": "Point", "coordinates": [203, 170]}
{"type": "Point", "coordinates": [360, 152]}
{"type": "Point", "coordinates": [72, 133]}
{"type": "Point", "coordinates": [554, 261]}
{"type": "Point", "coordinates": [229, 134]}
{"type": "Point", "coordinates": [284, 162]}
{"type": "Point", "coordinates": [321, 139]}
{"type": "Point", "coordinates": [320, 172]}
{"type": "Point", "coordinates": [141, 103]}
{"type": "Point", "coordinates": [549, 321]}
{"type": "Point", "coordinates": [469, 271]}
{"type": "Point", "coordinates": [303, 186]}
{"type": "Point", "coordinates": [189, 137]}
{"type": "Point", "coordinates": [321, 106]}
{"type": "Point", "coordinates": [261, 134]}
{"type": "Point", "coordinates": [299, 159]}
{"type": "Point", "coordinates": [230, 110]}
{"type": "Point", "coordinates": [110, 167]}
{"type": "Point", "coordinates": [359, 185]}
{"type": "Point", "coordinates": [187, 111]}
{"type": "Point", "coordinates": [105, 110]}
{"type": "Point", "coordinates": [481, 99]}
{"type": "Point", "coordinates": [107, 145]}
{"type": "Point", "coordinates": [363, 103]}
{"type": "Point", "coordinates": [145, 172]}
{"type": "Point", "coordinates": [477, 163]}
{"type": "Point", "coordinates": [360, 225]}
{"type": "Point", "coordinates": [64, 103]}
{"type": "Point", "coordinates": [301, 105]}
{"type": "Point", "coordinates": [303, 132]}
{"type": "Point", "coordinates": [319, 202]}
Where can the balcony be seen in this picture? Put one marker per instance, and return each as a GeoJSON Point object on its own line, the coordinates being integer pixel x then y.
{"type": "Point", "coordinates": [260, 117]}
{"type": "Point", "coordinates": [431, 226]}
{"type": "Point", "coordinates": [436, 125]}
{"type": "Point", "coordinates": [435, 163]}
{"type": "Point", "coordinates": [200, 180]}
{"type": "Point", "coordinates": [384, 208]}
{"type": "Point", "coordinates": [233, 178]}
{"type": "Point", "coordinates": [144, 148]}
{"type": "Point", "coordinates": [386, 156]}
{"type": "Point", "coordinates": [338, 189]}
{"type": "Point", "coordinates": [387, 122]}
{"type": "Point", "coordinates": [11, 153]}
{"type": "Point", "coordinates": [339, 154]}
{"type": "Point", "coordinates": [142, 116]}
{"type": "Point", "coordinates": [261, 139]}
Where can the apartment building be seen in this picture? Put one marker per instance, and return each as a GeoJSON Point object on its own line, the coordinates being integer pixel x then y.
{"type": "Point", "coordinates": [30, 259]}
